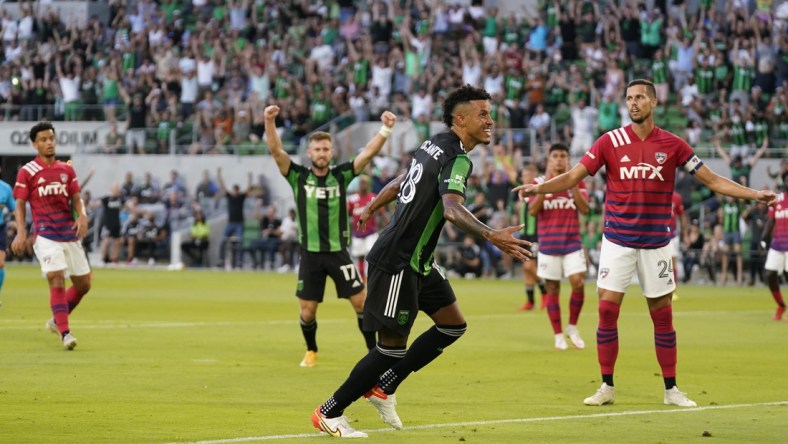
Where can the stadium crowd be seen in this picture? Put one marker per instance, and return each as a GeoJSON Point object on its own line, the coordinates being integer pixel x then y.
{"type": "Point", "coordinates": [207, 69]}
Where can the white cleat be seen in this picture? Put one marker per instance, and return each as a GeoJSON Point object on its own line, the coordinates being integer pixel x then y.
{"type": "Point", "coordinates": [605, 395]}
{"type": "Point", "coordinates": [69, 342]}
{"type": "Point", "coordinates": [675, 397]}
{"type": "Point", "coordinates": [336, 427]}
{"type": "Point", "coordinates": [560, 342]}
{"type": "Point", "coordinates": [52, 326]}
{"type": "Point", "coordinates": [385, 404]}
{"type": "Point", "coordinates": [574, 336]}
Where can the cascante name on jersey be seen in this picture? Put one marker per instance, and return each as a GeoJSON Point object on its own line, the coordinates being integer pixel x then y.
{"type": "Point", "coordinates": [433, 150]}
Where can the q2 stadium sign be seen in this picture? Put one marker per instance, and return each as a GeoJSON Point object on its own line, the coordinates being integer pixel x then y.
{"type": "Point", "coordinates": [72, 137]}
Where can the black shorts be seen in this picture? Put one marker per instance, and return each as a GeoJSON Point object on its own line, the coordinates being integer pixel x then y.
{"type": "Point", "coordinates": [3, 237]}
{"type": "Point", "coordinates": [112, 231]}
{"type": "Point", "coordinates": [394, 300]}
{"type": "Point", "coordinates": [316, 266]}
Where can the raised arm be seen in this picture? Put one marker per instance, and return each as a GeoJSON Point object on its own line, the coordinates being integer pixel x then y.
{"type": "Point", "coordinates": [373, 146]}
{"type": "Point", "coordinates": [274, 142]}
{"type": "Point", "coordinates": [725, 186]}
{"type": "Point", "coordinates": [558, 183]}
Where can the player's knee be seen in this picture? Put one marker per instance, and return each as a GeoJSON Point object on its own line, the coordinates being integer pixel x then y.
{"type": "Point", "coordinates": [452, 332]}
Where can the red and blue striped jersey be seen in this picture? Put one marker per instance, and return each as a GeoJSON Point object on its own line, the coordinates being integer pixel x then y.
{"type": "Point", "coordinates": [557, 223]}
{"type": "Point", "coordinates": [640, 183]}
{"type": "Point", "coordinates": [779, 213]}
{"type": "Point", "coordinates": [49, 190]}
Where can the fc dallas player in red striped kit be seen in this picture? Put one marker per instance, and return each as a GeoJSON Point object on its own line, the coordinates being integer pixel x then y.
{"type": "Point", "coordinates": [363, 236]}
{"type": "Point", "coordinates": [777, 258]}
{"type": "Point", "coordinates": [560, 251]}
{"type": "Point", "coordinates": [641, 161]}
{"type": "Point", "coordinates": [52, 189]}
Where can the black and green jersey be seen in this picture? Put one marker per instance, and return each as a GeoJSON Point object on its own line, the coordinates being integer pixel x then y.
{"type": "Point", "coordinates": [704, 78]}
{"type": "Point", "coordinates": [529, 231]}
{"type": "Point", "coordinates": [321, 204]}
{"type": "Point", "coordinates": [759, 133]}
{"type": "Point", "coordinates": [737, 133]}
{"type": "Point", "coordinates": [742, 78]}
{"type": "Point", "coordinates": [731, 213]}
{"type": "Point", "coordinates": [439, 166]}
{"type": "Point", "coordinates": [659, 72]}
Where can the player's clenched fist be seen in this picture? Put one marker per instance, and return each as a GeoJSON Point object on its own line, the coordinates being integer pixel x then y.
{"type": "Point", "coordinates": [271, 112]}
{"type": "Point", "coordinates": [388, 118]}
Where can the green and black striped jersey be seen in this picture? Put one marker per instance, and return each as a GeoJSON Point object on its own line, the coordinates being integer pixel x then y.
{"type": "Point", "coordinates": [321, 204]}
{"type": "Point", "coordinates": [439, 166]}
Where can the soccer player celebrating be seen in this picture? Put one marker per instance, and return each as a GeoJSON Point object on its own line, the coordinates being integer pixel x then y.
{"type": "Point", "coordinates": [320, 195]}
{"type": "Point", "coordinates": [641, 161]}
{"type": "Point", "coordinates": [777, 257]}
{"type": "Point", "coordinates": [529, 233]}
{"type": "Point", "coordinates": [52, 189]}
{"type": "Point", "coordinates": [560, 250]}
{"type": "Point", "coordinates": [363, 236]}
{"type": "Point", "coordinates": [402, 276]}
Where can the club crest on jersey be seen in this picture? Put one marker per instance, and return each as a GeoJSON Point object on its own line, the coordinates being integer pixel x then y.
{"type": "Point", "coordinates": [661, 158]}
{"type": "Point", "coordinates": [63, 178]}
{"type": "Point", "coordinates": [604, 272]}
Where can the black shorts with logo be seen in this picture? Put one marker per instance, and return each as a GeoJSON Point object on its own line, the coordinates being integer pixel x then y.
{"type": "Point", "coordinates": [316, 266]}
{"type": "Point", "coordinates": [394, 300]}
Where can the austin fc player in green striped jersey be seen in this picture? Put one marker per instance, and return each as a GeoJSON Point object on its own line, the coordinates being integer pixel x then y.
{"type": "Point", "coordinates": [323, 227]}
{"type": "Point", "coordinates": [403, 279]}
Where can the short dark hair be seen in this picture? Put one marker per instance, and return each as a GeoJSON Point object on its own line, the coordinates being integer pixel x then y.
{"type": "Point", "coordinates": [463, 94]}
{"type": "Point", "coordinates": [38, 127]}
{"type": "Point", "coordinates": [560, 146]}
{"type": "Point", "coordinates": [652, 92]}
{"type": "Point", "coordinates": [318, 136]}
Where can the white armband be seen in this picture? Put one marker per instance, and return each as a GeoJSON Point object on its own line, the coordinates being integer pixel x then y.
{"type": "Point", "coordinates": [693, 164]}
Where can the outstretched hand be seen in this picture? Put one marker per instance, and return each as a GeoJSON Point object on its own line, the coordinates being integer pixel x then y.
{"type": "Point", "coordinates": [365, 216]}
{"type": "Point", "coordinates": [506, 242]}
{"type": "Point", "coordinates": [526, 191]}
{"type": "Point", "coordinates": [767, 197]}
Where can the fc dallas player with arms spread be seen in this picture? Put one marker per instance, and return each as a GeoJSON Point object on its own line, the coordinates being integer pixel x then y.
{"type": "Point", "coordinates": [641, 161]}
{"type": "Point", "coordinates": [363, 236]}
{"type": "Point", "coordinates": [52, 189]}
{"type": "Point", "coordinates": [777, 258]}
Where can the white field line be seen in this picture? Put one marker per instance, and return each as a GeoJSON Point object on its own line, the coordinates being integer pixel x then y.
{"type": "Point", "coordinates": [505, 421]}
{"type": "Point", "coordinates": [26, 324]}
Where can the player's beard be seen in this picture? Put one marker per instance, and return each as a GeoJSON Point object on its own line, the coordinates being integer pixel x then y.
{"type": "Point", "coordinates": [641, 119]}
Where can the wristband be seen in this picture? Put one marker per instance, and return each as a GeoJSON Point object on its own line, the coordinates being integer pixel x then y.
{"type": "Point", "coordinates": [385, 131]}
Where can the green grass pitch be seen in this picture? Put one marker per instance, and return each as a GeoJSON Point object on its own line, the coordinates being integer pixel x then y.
{"type": "Point", "coordinates": [213, 356]}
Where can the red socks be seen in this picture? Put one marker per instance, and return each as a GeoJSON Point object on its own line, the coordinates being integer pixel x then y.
{"type": "Point", "coordinates": [575, 305]}
{"type": "Point", "coordinates": [554, 312]}
{"type": "Point", "coordinates": [57, 301]}
{"type": "Point", "coordinates": [778, 297]}
{"type": "Point", "coordinates": [665, 340]}
{"type": "Point", "coordinates": [607, 336]}
{"type": "Point", "coordinates": [73, 297]}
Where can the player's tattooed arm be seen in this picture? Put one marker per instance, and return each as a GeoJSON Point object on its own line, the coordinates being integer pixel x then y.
{"type": "Point", "coordinates": [386, 195]}
{"type": "Point", "coordinates": [455, 212]}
